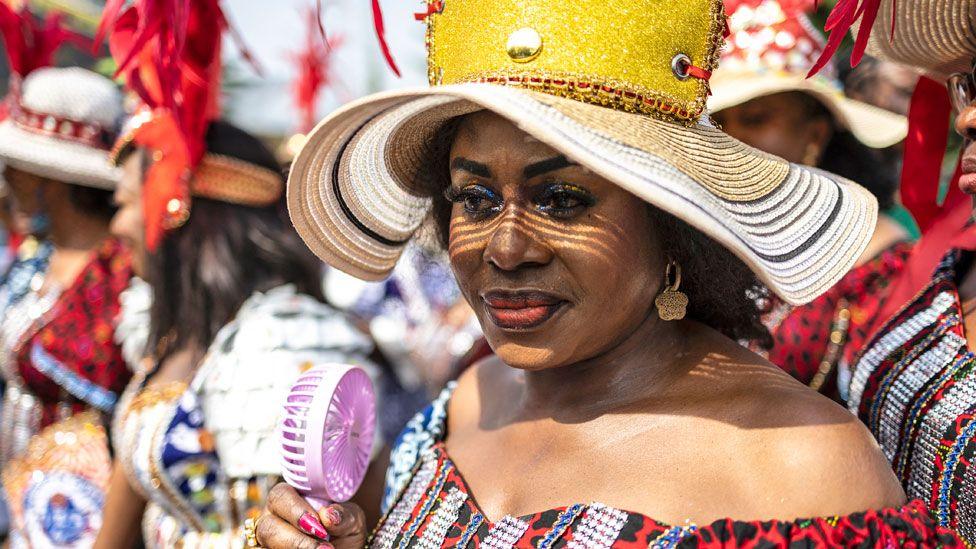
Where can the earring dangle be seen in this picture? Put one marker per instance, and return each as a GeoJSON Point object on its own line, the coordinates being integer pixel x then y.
{"type": "Point", "coordinates": [672, 304]}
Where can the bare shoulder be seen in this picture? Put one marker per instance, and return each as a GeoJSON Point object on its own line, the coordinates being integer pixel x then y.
{"type": "Point", "coordinates": [796, 444]}
{"type": "Point", "coordinates": [815, 447]}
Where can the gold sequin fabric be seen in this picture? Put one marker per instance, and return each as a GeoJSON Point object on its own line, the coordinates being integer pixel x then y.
{"type": "Point", "coordinates": [616, 54]}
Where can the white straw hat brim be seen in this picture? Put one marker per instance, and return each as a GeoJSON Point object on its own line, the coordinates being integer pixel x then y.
{"type": "Point", "coordinates": [57, 159]}
{"type": "Point", "coordinates": [799, 230]}
{"type": "Point", "coordinates": [873, 126]}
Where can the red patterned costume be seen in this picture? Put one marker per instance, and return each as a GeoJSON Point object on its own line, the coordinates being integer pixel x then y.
{"type": "Point", "coordinates": [428, 504]}
{"type": "Point", "coordinates": [915, 388]}
{"type": "Point", "coordinates": [68, 358]}
{"type": "Point", "coordinates": [819, 341]}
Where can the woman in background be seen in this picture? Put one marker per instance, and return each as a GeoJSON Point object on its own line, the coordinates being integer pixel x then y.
{"type": "Point", "coordinates": [761, 95]}
{"type": "Point", "coordinates": [236, 315]}
{"type": "Point", "coordinates": [62, 367]}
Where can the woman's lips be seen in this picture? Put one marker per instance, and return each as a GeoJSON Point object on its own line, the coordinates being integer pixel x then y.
{"type": "Point", "coordinates": [967, 182]}
{"type": "Point", "coordinates": [521, 310]}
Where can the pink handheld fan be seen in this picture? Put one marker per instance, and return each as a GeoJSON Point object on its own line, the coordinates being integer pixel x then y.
{"type": "Point", "coordinates": [327, 432]}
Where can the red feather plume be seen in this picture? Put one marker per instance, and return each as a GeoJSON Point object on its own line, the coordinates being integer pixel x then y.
{"type": "Point", "coordinates": [31, 43]}
{"type": "Point", "coordinates": [314, 63]}
{"type": "Point", "coordinates": [840, 21]}
{"type": "Point", "coordinates": [168, 51]}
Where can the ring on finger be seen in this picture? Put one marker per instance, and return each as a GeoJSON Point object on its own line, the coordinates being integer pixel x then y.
{"type": "Point", "coordinates": [250, 532]}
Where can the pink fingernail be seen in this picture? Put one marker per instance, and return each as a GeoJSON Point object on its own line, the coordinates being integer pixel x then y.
{"type": "Point", "coordinates": [325, 546]}
{"type": "Point", "coordinates": [311, 526]}
{"type": "Point", "coordinates": [333, 516]}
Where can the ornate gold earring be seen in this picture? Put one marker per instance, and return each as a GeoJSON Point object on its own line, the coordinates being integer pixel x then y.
{"type": "Point", "coordinates": [672, 304]}
{"type": "Point", "coordinates": [811, 157]}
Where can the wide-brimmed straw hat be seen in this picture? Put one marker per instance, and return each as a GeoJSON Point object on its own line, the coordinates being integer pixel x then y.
{"type": "Point", "coordinates": [62, 127]}
{"type": "Point", "coordinates": [937, 37]}
{"type": "Point", "coordinates": [770, 50]}
{"type": "Point", "coordinates": [619, 88]}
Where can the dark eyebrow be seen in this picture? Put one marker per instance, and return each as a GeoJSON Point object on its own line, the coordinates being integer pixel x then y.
{"type": "Point", "coordinates": [545, 166]}
{"type": "Point", "coordinates": [470, 166]}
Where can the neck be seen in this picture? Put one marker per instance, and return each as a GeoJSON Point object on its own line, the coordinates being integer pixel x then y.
{"type": "Point", "coordinates": [72, 229]}
{"type": "Point", "coordinates": [641, 367]}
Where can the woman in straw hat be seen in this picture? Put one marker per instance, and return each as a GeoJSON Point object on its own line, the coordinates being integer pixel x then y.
{"type": "Point", "coordinates": [915, 382]}
{"type": "Point", "coordinates": [761, 95]}
{"type": "Point", "coordinates": [62, 367]}
{"type": "Point", "coordinates": [611, 241]}
{"type": "Point", "coordinates": [236, 310]}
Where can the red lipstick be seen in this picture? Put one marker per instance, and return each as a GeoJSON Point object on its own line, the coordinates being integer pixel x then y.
{"type": "Point", "coordinates": [521, 310]}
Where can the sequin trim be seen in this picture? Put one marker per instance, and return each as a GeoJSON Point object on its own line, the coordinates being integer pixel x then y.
{"type": "Point", "coordinates": [398, 515]}
{"type": "Point", "coordinates": [672, 536]}
{"type": "Point", "coordinates": [599, 528]}
{"type": "Point", "coordinates": [470, 531]}
{"type": "Point", "coordinates": [427, 505]}
{"type": "Point", "coordinates": [564, 521]}
{"type": "Point", "coordinates": [951, 461]}
{"type": "Point", "coordinates": [892, 340]}
{"type": "Point", "coordinates": [77, 386]}
{"type": "Point", "coordinates": [505, 533]}
{"type": "Point", "coordinates": [445, 516]}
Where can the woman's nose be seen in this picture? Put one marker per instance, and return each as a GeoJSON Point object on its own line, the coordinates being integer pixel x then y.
{"type": "Point", "coordinates": [966, 123]}
{"type": "Point", "coordinates": [514, 244]}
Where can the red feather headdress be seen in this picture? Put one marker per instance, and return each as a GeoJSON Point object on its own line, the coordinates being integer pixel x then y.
{"type": "Point", "coordinates": [314, 65]}
{"type": "Point", "coordinates": [169, 54]}
{"type": "Point", "coordinates": [31, 44]}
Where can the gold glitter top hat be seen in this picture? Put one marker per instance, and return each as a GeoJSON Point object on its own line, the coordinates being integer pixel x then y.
{"type": "Point", "coordinates": [645, 56]}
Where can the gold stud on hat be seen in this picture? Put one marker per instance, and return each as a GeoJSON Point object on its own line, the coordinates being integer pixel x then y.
{"type": "Point", "coordinates": [524, 45]}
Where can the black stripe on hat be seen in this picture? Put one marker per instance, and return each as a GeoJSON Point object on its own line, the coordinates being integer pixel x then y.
{"type": "Point", "coordinates": [342, 202]}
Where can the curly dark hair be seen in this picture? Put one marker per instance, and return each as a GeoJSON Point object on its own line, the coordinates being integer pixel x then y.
{"type": "Point", "coordinates": [723, 293]}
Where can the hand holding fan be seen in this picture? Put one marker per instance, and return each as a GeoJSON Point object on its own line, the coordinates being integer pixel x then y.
{"type": "Point", "coordinates": [327, 432]}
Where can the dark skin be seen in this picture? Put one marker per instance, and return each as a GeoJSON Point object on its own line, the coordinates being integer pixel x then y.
{"type": "Point", "coordinates": [75, 233]}
{"type": "Point", "coordinates": [774, 124]}
{"type": "Point", "coordinates": [965, 126]}
{"type": "Point", "coordinates": [669, 419]}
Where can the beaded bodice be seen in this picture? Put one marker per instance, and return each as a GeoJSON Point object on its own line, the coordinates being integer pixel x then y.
{"type": "Point", "coordinates": [428, 504]}
{"type": "Point", "coordinates": [169, 457]}
{"type": "Point", "coordinates": [204, 453]}
{"type": "Point", "coordinates": [915, 388]}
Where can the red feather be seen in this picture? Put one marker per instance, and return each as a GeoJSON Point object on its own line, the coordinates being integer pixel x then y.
{"type": "Point", "coordinates": [840, 21]}
{"type": "Point", "coordinates": [314, 63]}
{"type": "Point", "coordinates": [168, 51]}
{"type": "Point", "coordinates": [32, 43]}
{"type": "Point", "coordinates": [381, 36]}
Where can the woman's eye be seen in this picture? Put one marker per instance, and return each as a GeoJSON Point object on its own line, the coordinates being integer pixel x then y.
{"type": "Point", "coordinates": [753, 120]}
{"type": "Point", "coordinates": [478, 201]}
{"type": "Point", "coordinates": [564, 200]}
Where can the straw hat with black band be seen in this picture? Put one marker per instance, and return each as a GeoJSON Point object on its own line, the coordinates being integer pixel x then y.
{"type": "Point", "coordinates": [770, 50]}
{"type": "Point", "coordinates": [619, 87]}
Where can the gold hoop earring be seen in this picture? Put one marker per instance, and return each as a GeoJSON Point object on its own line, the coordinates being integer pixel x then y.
{"type": "Point", "coordinates": [672, 304]}
{"type": "Point", "coordinates": [811, 157]}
